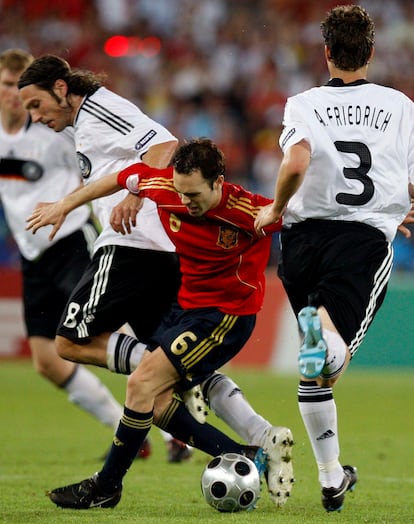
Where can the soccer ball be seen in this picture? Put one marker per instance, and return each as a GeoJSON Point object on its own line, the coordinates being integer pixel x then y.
{"type": "Point", "coordinates": [231, 482]}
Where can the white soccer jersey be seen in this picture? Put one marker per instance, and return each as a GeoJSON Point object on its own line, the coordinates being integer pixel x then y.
{"type": "Point", "coordinates": [362, 146]}
{"type": "Point", "coordinates": [111, 133]}
{"type": "Point", "coordinates": [37, 165]}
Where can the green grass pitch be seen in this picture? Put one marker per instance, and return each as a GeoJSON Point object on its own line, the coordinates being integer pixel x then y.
{"type": "Point", "coordinates": [47, 442]}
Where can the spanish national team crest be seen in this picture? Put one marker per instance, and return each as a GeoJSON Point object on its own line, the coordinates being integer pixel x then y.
{"type": "Point", "coordinates": [228, 237]}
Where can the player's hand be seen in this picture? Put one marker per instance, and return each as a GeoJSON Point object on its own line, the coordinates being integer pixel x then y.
{"type": "Point", "coordinates": [124, 214]}
{"type": "Point", "coordinates": [409, 219]}
{"type": "Point", "coordinates": [44, 214]}
{"type": "Point", "coordinates": [265, 217]}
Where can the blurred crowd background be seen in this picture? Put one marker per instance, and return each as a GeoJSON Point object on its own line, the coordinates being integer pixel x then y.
{"type": "Point", "coordinates": [216, 68]}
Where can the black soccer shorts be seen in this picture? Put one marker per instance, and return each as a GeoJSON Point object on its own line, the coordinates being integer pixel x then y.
{"type": "Point", "coordinates": [200, 341]}
{"type": "Point", "coordinates": [343, 266]}
{"type": "Point", "coordinates": [49, 280]}
{"type": "Point", "coordinates": [121, 285]}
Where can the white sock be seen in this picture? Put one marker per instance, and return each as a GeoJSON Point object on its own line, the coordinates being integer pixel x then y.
{"type": "Point", "coordinates": [229, 404]}
{"type": "Point", "coordinates": [318, 410]}
{"type": "Point", "coordinates": [87, 391]}
{"type": "Point", "coordinates": [123, 353]}
{"type": "Point", "coordinates": [166, 436]}
{"type": "Point", "coordinates": [337, 350]}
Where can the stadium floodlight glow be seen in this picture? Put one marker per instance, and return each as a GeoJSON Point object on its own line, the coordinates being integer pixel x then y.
{"type": "Point", "coordinates": [151, 46]}
{"type": "Point", "coordinates": [116, 45]}
{"type": "Point", "coordinates": [121, 45]}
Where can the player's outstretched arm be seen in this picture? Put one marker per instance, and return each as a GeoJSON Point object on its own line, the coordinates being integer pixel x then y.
{"type": "Point", "coordinates": [54, 213]}
{"type": "Point", "coordinates": [123, 215]}
{"type": "Point", "coordinates": [291, 174]}
{"type": "Point", "coordinates": [47, 213]}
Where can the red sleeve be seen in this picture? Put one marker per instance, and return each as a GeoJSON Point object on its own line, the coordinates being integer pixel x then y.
{"type": "Point", "coordinates": [156, 184]}
{"type": "Point", "coordinates": [273, 228]}
{"type": "Point", "coordinates": [134, 169]}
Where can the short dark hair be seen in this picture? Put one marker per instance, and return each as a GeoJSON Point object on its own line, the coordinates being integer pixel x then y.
{"type": "Point", "coordinates": [44, 71]}
{"type": "Point", "coordinates": [348, 32]}
{"type": "Point", "coordinates": [200, 154]}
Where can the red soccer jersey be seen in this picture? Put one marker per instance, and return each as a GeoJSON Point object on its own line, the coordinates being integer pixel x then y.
{"type": "Point", "coordinates": [222, 260]}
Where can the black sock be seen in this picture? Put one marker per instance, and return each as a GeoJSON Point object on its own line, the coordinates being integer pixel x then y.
{"type": "Point", "coordinates": [132, 430]}
{"type": "Point", "coordinates": [178, 421]}
{"type": "Point", "coordinates": [309, 391]}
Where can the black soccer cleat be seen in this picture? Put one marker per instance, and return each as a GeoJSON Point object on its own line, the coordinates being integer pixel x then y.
{"type": "Point", "coordinates": [84, 495]}
{"type": "Point", "coordinates": [333, 498]}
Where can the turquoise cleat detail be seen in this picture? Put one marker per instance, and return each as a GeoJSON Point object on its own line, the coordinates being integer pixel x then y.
{"type": "Point", "coordinates": [312, 354]}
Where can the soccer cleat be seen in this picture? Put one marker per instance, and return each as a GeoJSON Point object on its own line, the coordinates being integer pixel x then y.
{"type": "Point", "coordinates": [258, 456]}
{"type": "Point", "coordinates": [333, 498]}
{"type": "Point", "coordinates": [84, 495]}
{"type": "Point", "coordinates": [195, 403]}
{"type": "Point", "coordinates": [312, 354]}
{"type": "Point", "coordinates": [145, 450]}
{"type": "Point", "coordinates": [277, 445]}
{"type": "Point", "coordinates": [178, 451]}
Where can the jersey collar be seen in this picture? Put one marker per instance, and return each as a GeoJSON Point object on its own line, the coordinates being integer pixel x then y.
{"type": "Point", "coordinates": [338, 82]}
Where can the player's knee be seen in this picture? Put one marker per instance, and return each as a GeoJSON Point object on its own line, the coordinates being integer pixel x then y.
{"type": "Point", "coordinates": [327, 382]}
{"type": "Point", "coordinates": [141, 383]}
{"type": "Point", "coordinates": [337, 355]}
{"type": "Point", "coordinates": [49, 366]}
{"type": "Point", "coordinates": [337, 359]}
{"type": "Point", "coordinates": [44, 358]}
{"type": "Point", "coordinates": [66, 348]}
{"type": "Point", "coordinates": [43, 368]}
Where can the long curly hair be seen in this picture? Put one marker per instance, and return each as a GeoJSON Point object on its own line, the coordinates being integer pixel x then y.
{"type": "Point", "coordinates": [44, 71]}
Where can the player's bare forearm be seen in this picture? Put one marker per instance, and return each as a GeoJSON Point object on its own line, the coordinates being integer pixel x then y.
{"type": "Point", "coordinates": [54, 213]}
{"type": "Point", "coordinates": [105, 186]}
{"type": "Point", "coordinates": [291, 174]}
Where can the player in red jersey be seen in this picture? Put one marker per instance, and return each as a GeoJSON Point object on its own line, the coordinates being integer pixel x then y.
{"type": "Point", "coordinates": [211, 224]}
{"type": "Point", "coordinates": [222, 261]}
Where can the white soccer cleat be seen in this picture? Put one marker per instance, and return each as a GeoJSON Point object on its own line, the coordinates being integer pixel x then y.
{"type": "Point", "coordinates": [195, 403]}
{"type": "Point", "coordinates": [277, 445]}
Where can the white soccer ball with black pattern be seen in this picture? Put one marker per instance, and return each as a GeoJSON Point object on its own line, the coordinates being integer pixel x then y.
{"type": "Point", "coordinates": [231, 482]}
